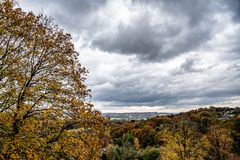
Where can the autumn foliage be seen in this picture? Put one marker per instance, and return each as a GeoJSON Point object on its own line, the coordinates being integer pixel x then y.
{"type": "Point", "coordinates": [44, 113]}
{"type": "Point", "coordinates": [202, 134]}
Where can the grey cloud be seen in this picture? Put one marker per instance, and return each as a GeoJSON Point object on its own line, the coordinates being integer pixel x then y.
{"type": "Point", "coordinates": [234, 67]}
{"type": "Point", "coordinates": [161, 42]}
{"type": "Point", "coordinates": [73, 15]}
{"type": "Point", "coordinates": [153, 43]}
{"type": "Point", "coordinates": [188, 66]}
{"type": "Point", "coordinates": [231, 45]}
{"type": "Point", "coordinates": [137, 97]}
{"type": "Point", "coordinates": [160, 93]}
{"type": "Point", "coordinates": [138, 39]}
{"type": "Point", "coordinates": [195, 11]}
{"type": "Point", "coordinates": [126, 94]}
{"type": "Point", "coordinates": [234, 6]}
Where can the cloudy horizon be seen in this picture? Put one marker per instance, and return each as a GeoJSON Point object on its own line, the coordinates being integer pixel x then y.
{"type": "Point", "coordinates": [154, 55]}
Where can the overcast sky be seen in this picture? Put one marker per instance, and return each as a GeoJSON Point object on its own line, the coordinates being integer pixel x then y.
{"type": "Point", "coordinates": [154, 55]}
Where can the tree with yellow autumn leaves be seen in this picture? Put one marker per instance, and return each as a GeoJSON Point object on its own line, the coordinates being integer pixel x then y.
{"type": "Point", "coordinates": [182, 142]}
{"type": "Point", "coordinates": [44, 112]}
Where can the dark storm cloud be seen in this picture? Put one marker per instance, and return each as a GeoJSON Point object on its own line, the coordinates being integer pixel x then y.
{"type": "Point", "coordinates": [133, 95]}
{"type": "Point", "coordinates": [163, 41]}
{"type": "Point", "coordinates": [150, 44]}
{"type": "Point", "coordinates": [139, 39]}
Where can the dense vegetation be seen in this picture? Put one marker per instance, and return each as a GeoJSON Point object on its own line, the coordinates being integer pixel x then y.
{"type": "Point", "coordinates": [209, 133]}
{"type": "Point", "coordinates": [43, 109]}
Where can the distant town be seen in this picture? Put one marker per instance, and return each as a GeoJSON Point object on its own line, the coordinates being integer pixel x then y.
{"type": "Point", "coordinates": [134, 115]}
{"type": "Point", "coordinates": [224, 113]}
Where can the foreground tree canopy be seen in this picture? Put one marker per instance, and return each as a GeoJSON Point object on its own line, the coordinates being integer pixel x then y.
{"type": "Point", "coordinates": [44, 113]}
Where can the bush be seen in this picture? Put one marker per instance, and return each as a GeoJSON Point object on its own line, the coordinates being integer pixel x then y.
{"type": "Point", "coordinates": [150, 153]}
